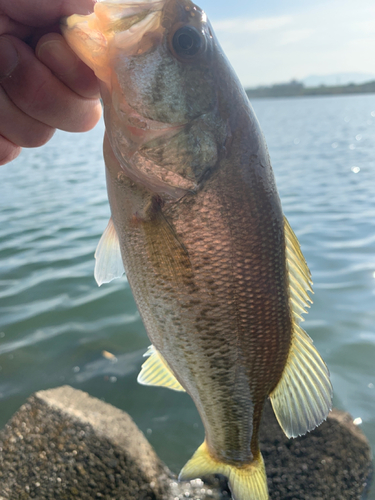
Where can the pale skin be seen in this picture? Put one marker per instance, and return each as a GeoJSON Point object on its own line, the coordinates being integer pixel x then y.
{"type": "Point", "coordinates": [43, 84]}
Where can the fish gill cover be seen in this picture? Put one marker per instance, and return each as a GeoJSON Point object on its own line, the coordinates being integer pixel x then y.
{"type": "Point", "coordinates": [197, 225]}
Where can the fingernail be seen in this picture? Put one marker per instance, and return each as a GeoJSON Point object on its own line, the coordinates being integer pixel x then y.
{"type": "Point", "coordinates": [8, 57]}
{"type": "Point", "coordinates": [57, 56]}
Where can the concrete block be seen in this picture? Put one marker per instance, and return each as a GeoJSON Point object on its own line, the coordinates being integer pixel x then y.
{"type": "Point", "coordinates": [64, 444]}
{"type": "Point", "coordinates": [332, 462]}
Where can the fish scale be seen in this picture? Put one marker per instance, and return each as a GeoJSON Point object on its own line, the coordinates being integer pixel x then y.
{"type": "Point", "coordinates": [196, 222]}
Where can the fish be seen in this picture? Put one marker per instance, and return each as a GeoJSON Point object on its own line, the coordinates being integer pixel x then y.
{"type": "Point", "coordinates": [196, 223]}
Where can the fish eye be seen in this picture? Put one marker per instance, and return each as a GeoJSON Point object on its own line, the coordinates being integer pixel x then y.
{"type": "Point", "coordinates": [187, 41]}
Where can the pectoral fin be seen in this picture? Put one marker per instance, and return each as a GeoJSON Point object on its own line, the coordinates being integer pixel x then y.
{"type": "Point", "coordinates": [167, 254]}
{"type": "Point", "coordinates": [155, 371]}
{"type": "Point", "coordinates": [108, 260]}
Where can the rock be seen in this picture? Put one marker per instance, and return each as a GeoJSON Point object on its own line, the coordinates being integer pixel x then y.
{"type": "Point", "coordinates": [64, 444]}
{"type": "Point", "coordinates": [331, 462]}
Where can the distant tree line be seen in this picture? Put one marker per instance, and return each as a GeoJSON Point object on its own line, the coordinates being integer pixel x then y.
{"type": "Point", "coordinates": [296, 89]}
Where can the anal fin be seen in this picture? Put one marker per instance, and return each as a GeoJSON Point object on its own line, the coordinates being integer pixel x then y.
{"type": "Point", "coordinates": [155, 371]}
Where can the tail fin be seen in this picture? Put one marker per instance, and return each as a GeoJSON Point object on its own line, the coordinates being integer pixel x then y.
{"type": "Point", "coordinates": [248, 482]}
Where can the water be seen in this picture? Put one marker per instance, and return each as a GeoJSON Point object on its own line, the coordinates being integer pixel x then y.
{"type": "Point", "coordinates": [55, 322]}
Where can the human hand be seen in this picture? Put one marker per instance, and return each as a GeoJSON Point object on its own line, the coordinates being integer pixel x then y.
{"type": "Point", "coordinates": [43, 84]}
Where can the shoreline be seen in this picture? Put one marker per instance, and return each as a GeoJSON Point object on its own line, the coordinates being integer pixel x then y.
{"type": "Point", "coordinates": [296, 89]}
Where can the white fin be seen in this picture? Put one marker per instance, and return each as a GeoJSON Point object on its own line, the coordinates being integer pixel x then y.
{"type": "Point", "coordinates": [302, 398]}
{"type": "Point", "coordinates": [108, 265]}
{"type": "Point", "coordinates": [155, 371]}
{"type": "Point", "coordinates": [248, 482]}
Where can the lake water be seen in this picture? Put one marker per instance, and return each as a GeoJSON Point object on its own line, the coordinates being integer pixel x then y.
{"type": "Point", "coordinates": [55, 322]}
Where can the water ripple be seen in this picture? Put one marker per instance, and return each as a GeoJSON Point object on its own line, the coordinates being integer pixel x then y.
{"type": "Point", "coordinates": [55, 322]}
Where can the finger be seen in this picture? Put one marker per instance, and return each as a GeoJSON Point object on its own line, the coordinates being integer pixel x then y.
{"type": "Point", "coordinates": [54, 52]}
{"type": "Point", "coordinates": [44, 12]}
{"type": "Point", "coordinates": [20, 128]}
{"type": "Point", "coordinates": [38, 93]}
{"type": "Point", "coordinates": [8, 151]}
{"type": "Point", "coordinates": [7, 25]}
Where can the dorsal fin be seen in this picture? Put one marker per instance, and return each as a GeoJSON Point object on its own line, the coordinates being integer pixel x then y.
{"type": "Point", "coordinates": [108, 260]}
{"type": "Point", "coordinates": [302, 398]}
{"type": "Point", "coordinates": [155, 371]}
{"type": "Point", "coordinates": [299, 274]}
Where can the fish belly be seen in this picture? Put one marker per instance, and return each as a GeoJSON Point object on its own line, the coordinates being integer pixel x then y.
{"type": "Point", "coordinates": [208, 279]}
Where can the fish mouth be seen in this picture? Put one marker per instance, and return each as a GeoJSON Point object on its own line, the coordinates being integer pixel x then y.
{"type": "Point", "coordinates": [119, 24]}
{"type": "Point", "coordinates": [116, 16]}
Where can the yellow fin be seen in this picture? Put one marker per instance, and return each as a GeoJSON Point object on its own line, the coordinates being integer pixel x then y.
{"type": "Point", "coordinates": [248, 482]}
{"type": "Point", "coordinates": [299, 274]}
{"type": "Point", "coordinates": [108, 260]}
{"type": "Point", "coordinates": [155, 371]}
{"type": "Point", "coordinates": [302, 399]}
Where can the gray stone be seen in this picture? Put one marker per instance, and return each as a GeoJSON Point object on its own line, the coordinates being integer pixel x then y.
{"type": "Point", "coordinates": [331, 462]}
{"type": "Point", "coordinates": [64, 444]}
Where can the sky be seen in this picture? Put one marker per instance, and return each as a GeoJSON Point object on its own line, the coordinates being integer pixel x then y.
{"type": "Point", "coordinates": [275, 41]}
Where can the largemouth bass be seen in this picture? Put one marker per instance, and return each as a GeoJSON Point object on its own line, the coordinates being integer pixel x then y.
{"type": "Point", "coordinates": [215, 269]}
